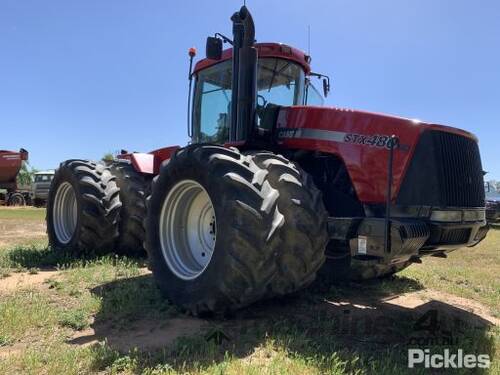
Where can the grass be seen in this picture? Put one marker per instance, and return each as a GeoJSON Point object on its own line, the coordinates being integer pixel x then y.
{"type": "Point", "coordinates": [469, 273]}
{"type": "Point", "coordinates": [345, 329]}
{"type": "Point", "coordinates": [26, 313]}
{"type": "Point", "coordinates": [25, 213]}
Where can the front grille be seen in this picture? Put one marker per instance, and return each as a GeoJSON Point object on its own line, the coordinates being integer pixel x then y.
{"type": "Point", "coordinates": [461, 173]}
{"type": "Point", "coordinates": [455, 236]}
{"type": "Point", "coordinates": [445, 171]}
{"type": "Point", "coordinates": [414, 235]}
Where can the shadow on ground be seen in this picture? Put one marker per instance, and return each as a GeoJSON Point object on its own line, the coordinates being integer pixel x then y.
{"type": "Point", "coordinates": [368, 325]}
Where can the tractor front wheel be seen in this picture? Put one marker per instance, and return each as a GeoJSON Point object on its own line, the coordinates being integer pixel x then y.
{"type": "Point", "coordinates": [226, 229]}
{"type": "Point", "coordinates": [304, 234]}
{"type": "Point", "coordinates": [211, 230]}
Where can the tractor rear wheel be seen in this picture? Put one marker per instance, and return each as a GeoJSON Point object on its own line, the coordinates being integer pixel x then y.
{"type": "Point", "coordinates": [133, 187]}
{"type": "Point", "coordinates": [304, 234]}
{"type": "Point", "coordinates": [83, 207]}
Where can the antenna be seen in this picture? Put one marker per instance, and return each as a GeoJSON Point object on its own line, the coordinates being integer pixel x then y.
{"type": "Point", "coordinates": [309, 40]}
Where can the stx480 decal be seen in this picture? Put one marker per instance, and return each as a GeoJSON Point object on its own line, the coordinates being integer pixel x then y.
{"type": "Point", "coordinates": [379, 141]}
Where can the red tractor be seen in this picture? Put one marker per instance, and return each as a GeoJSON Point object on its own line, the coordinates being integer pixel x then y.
{"type": "Point", "coordinates": [274, 189]}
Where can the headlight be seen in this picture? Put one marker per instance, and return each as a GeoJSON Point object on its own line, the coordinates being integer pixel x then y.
{"type": "Point", "coordinates": [474, 215]}
{"type": "Point", "coordinates": [447, 216]}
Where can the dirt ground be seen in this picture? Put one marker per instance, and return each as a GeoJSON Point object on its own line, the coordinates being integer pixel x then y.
{"type": "Point", "coordinates": [151, 334]}
{"type": "Point", "coordinates": [19, 227]}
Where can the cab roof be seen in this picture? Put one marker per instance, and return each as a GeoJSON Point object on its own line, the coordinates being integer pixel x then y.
{"type": "Point", "coordinates": [264, 50]}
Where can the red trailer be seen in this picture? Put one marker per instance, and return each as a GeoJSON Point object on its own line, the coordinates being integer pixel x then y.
{"type": "Point", "coordinates": [10, 165]}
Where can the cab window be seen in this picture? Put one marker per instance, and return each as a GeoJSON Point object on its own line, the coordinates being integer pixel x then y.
{"type": "Point", "coordinates": [279, 82]}
{"type": "Point", "coordinates": [43, 178]}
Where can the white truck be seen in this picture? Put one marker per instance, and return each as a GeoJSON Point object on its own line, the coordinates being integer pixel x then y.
{"type": "Point", "coordinates": [40, 187]}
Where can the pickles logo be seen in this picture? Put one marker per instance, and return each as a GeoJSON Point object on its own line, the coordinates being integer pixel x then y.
{"type": "Point", "coordinates": [439, 334]}
{"type": "Point", "coordinates": [447, 359]}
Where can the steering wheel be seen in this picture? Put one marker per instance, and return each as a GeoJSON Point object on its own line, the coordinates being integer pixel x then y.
{"type": "Point", "coordinates": [264, 101]}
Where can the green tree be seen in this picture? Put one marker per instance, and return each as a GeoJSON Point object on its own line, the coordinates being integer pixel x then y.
{"type": "Point", "coordinates": [26, 174]}
{"type": "Point", "coordinates": [108, 157]}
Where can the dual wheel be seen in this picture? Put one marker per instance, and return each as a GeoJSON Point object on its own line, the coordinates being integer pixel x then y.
{"type": "Point", "coordinates": [222, 229]}
{"type": "Point", "coordinates": [226, 229]}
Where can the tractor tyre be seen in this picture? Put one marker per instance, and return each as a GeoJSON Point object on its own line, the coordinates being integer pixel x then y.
{"type": "Point", "coordinates": [212, 231]}
{"type": "Point", "coordinates": [133, 188]}
{"type": "Point", "coordinates": [16, 200]}
{"type": "Point", "coordinates": [83, 208]}
{"type": "Point", "coordinates": [304, 234]}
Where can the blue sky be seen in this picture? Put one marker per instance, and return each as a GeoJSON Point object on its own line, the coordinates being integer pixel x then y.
{"type": "Point", "coordinates": [82, 78]}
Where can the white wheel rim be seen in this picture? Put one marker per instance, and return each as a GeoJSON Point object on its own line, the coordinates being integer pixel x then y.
{"type": "Point", "coordinates": [187, 229]}
{"type": "Point", "coordinates": [65, 213]}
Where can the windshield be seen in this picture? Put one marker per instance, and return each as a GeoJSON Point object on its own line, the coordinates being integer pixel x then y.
{"type": "Point", "coordinates": [43, 177]}
{"type": "Point", "coordinates": [279, 82]}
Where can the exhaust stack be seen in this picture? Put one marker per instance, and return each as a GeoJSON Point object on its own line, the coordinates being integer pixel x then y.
{"type": "Point", "coordinates": [244, 79]}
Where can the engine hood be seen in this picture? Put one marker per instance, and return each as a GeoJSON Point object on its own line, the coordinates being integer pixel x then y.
{"type": "Point", "coordinates": [333, 118]}
{"type": "Point", "coordinates": [361, 139]}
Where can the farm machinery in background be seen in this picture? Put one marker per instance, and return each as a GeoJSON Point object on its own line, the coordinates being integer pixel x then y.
{"type": "Point", "coordinates": [275, 189]}
{"type": "Point", "coordinates": [40, 187]}
{"type": "Point", "coordinates": [11, 163]}
{"type": "Point", "coordinates": [14, 193]}
{"type": "Point", "coordinates": [492, 203]}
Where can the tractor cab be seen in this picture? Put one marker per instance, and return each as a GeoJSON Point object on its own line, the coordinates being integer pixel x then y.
{"type": "Point", "coordinates": [239, 91]}
{"type": "Point", "coordinates": [283, 79]}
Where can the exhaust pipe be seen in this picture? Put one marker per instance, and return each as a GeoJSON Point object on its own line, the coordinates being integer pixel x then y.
{"type": "Point", "coordinates": [244, 76]}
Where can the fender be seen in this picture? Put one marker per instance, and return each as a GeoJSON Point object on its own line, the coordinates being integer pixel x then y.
{"type": "Point", "coordinates": [149, 163]}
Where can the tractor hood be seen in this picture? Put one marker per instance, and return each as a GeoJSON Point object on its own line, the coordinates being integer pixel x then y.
{"type": "Point", "coordinates": [362, 122]}
{"type": "Point", "coordinates": [362, 140]}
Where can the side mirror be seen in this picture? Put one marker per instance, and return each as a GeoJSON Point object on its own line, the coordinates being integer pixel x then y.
{"type": "Point", "coordinates": [326, 82]}
{"type": "Point", "coordinates": [214, 48]}
{"type": "Point", "coordinates": [326, 87]}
